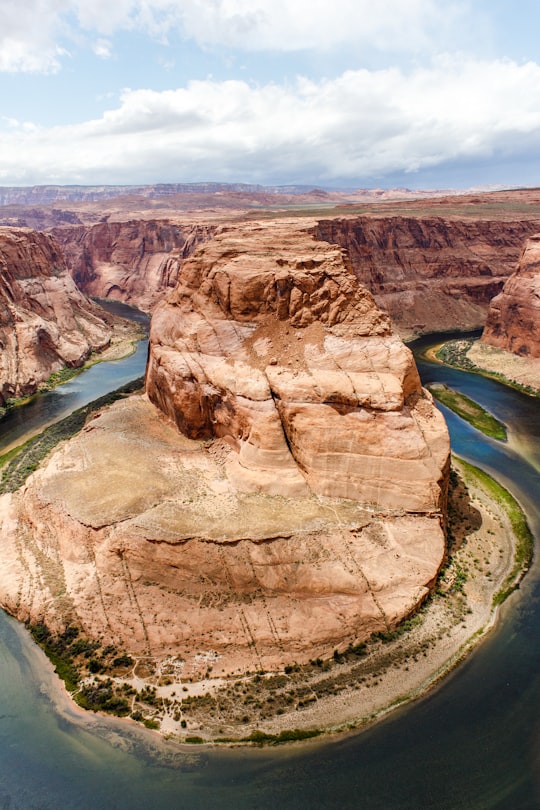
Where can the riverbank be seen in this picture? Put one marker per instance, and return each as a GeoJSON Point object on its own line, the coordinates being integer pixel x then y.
{"type": "Point", "coordinates": [469, 410]}
{"type": "Point", "coordinates": [358, 685]}
{"type": "Point", "coordinates": [123, 343]}
{"type": "Point", "coordinates": [522, 373]}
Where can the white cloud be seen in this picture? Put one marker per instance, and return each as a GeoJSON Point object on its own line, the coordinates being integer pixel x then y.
{"type": "Point", "coordinates": [34, 34]}
{"type": "Point", "coordinates": [29, 35]}
{"type": "Point", "coordinates": [362, 125]}
{"type": "Point", "coordinates": [102, 48]}
{"type": "Point", "coordinates": [299, 24]}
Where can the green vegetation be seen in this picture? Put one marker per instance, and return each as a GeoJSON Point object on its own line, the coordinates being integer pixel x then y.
{"type": "Point", "coordinates": [24, 460]}
{"type": "Point", "coordinates": [102, 697]}
{"type": "Point", "coordinates": [404, 627]}
{"type": "Point", "coordinates": [454, 353]}
{"type": "Point", "coordinates": [524, 539]}
{"type": "Point", "coordinates": [471, 411]}
{"type": "Point", "coordinates": [74, 658]}
{"type": "Point", "coordinates": [288, 735]}
{"type": "Point", "coordinates": [55, 648]}
{"type": "Point", "coordinates": [262, 738]}
{"type": "Point", "coordinates": [64, 374]}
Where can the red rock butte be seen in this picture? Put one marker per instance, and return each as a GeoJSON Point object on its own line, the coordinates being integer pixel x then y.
{"type": "Point", "coordinates": [270, 343]}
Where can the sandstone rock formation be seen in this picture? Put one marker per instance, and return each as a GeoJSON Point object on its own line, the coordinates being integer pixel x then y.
{"type": "Point", "coordinates": [45, 321]}
{"type": "Point", "coordinates": [513, 321]}
{"type": "Point", "coordinates": [300, 507]}
{"type": "Point", "coordinates": [269, 342]}
{"type": "Point", "coordinates": [430, 273]}
{"type": "Point", "coordinates": [137, 534]}
{"type": "Point", "coordinates": [135, 262]}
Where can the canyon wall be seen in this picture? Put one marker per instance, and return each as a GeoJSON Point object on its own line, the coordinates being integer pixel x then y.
{"type": "Point", "coordinates": [430, 273]}
{"type": "Point", "coordinates": [134, 262]}
{"type": "Point", "coordinates": [513, 321]}
{"type": "Point", "coordinates": [45, 321]}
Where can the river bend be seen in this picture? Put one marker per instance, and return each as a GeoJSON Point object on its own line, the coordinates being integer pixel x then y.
{"type": "Point", "coordinates": [474, 742]}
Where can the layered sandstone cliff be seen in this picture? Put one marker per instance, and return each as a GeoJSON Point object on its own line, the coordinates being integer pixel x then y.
{"type": "Point", "coordinates": [513, 321]}
{"type": "Point", "coordinates": [430, 273]}
{"type": "Point", "coordinates": [45, 321]}
{"type": "Point", "coordinates": [135, 262]}
{"type": "Point", "coordinates": [299, 509]}
{"type": "Point", "coordinates": [269, 342]}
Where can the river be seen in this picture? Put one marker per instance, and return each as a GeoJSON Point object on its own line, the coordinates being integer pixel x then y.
{"type": "Point", "coordinates": [474, 742]}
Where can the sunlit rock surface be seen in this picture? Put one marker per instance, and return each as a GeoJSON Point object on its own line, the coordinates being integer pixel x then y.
{"type": "Point", "coordinates": [513, 321]}
{"type": "Point", "coordinates": [284, 498]}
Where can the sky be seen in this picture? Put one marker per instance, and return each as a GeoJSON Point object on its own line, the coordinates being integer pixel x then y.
{"type": "Point", "coordinates": [342, 94]}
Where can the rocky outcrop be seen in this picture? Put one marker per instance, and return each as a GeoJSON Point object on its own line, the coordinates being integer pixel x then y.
{"type": "Point", "coordinates": [513, 321]}
{"type": "Point", "coordinates": [135, 262]}
{"type": "Point", "coordinates": [45, 321]}
{"type": "Point", "coordinates": [299, 509]}
{"type": "Point", "coordinates": [430, 273]}
{"type": "Point", "coordinates": [269, 342]}
{"type": "Point", "coordinates": [137, 534]}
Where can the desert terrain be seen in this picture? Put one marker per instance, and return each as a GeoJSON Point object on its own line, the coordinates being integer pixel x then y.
{"type": "Point", "coordinates": [265, 522]}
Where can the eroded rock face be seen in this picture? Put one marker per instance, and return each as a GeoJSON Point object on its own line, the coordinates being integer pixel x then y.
{"type": "Point", "coordinates": [139, 535]}
{"type": "Point", "coordinates": [135, 262]}
{"type": "Point", "coordinates": [299, 508]}
{"type": "Point", "coordinates": [45, 321]}
{"type": "Point", "coordinates": [269, 342]}
{"type": "Point", "coordinates": [429, 273]}
{"type": "Point", "coordinates": [513, 321]}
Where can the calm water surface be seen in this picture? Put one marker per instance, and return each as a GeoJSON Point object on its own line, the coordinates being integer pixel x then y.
{"type": "Point", "coordinates": [472, 743]}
